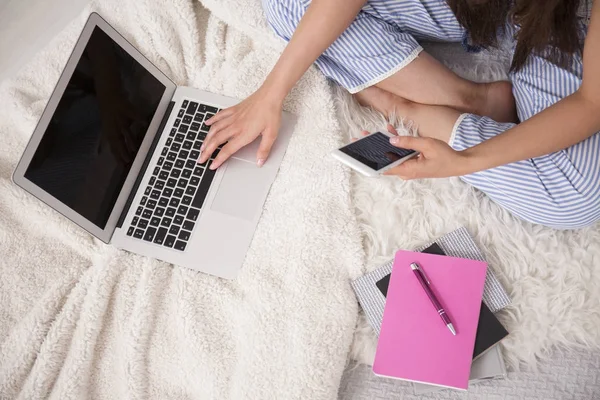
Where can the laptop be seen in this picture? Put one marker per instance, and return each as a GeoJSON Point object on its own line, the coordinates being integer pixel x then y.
{"type": "Point", "coordinates": [116, 151]}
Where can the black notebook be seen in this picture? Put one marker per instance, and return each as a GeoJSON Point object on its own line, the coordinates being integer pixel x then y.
{"type": "Point", "coordinates": [489, 330]}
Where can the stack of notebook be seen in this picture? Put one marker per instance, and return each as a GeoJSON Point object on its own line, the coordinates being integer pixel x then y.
{"type": "Point", "coordinates": [414, 344]}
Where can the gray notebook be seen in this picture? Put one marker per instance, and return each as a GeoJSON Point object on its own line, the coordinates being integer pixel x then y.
{"type": "Point", "coordinates": [457, 243]}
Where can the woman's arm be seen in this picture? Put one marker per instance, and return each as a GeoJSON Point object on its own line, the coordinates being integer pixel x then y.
{"type": "Point", "coordinates": [323, 22]}
{"type": "Point", "coordinates": [568, 122]}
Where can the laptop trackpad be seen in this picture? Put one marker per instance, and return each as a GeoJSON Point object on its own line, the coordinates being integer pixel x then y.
{"type": "Point", "coordinates": [242, 190]}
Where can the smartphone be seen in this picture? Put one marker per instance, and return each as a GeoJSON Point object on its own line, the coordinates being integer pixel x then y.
{"type": "Point", "coordinates": [373, 154]}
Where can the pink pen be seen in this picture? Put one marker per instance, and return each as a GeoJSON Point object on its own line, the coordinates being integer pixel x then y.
{"type": "Point", "coordinates": [420, 274]}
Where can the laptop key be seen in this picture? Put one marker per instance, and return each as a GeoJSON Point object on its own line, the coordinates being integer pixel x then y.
{"type": "Point", "coordinates": [198, 117]}
{"type": "Point", "coordinates": [186, 172]}
{"type": "Point", "coordinates": [194, 154]}
{"type": "Point", "coordinates": [171, 183]}
{"type": "Point", "coordinates": [170, 212]}
{"type": "Point", "coordinates": [173, 132]}
{"type": "Point", "coordinates": [177, 122]}
{"type": "Point", "coordinates": [210, 109]}
{"type": "Point", "coordinates": [139, 210]}
{"type": "Point", "coordinates": [169, 141]}
{"type": "Point", "coordinates": [180, 113]}
{"type": "Point", "coordinates": [155, 221]}
{"type": "Point", "coordinates": [187, 145]}
{"type": "Point", "coordinates": [143, 223]}
{"type": "Point", "coordinates": [203, 188]}
{"type": "Point", "coordinates": [188, 225]}
{"type": "Point", "coordinates": [195, 126]}
{"type": "Point", "coordinates": [197, 145]}
{"type": "Point", "coordinates": [190, 163]}
{"type": "Point", "coordinates": [192, 215]}
{"type": "Point", "coordinates": [147, 214]}
{"type": "Point", "coordinates": [174, 202]}
{"type": "Point", "coordinates": [176, 147]}
{"type": "Point", "coordinates": [151, 204]}
{"type": "Point", "coordinates": [182, 183]}
{"type": "Point", "coordinates": [192, 107]}
{"type": "Point", "coordinates": [160, 235]}
{"type": "Point", "coordinates": [184, 154]}
{"type": "Point", "coordinates": [184, 235]}
{"type": "Point", "coordinates": [148, 190]}
{"type": "Point", "coordinates": [190, 191]}
{"type": "Point", "coordinates": [191, 136]}
{"type": "Point", "coordinates": [178, 219]}
{"type": "Point", "coordinates": [143, 200]}
{"type": "Point", "coordinates": [171, 156]}
{"type": "Point", "coordinates": [159, 211]}
{"type": "Point", "coordinates": [179, 245]}
{"type": "Point", "coordinates": [195, 181]}
{"type": "Point", "coordinates": [187, 119]}
{"type": "Point", "coordinates": [130, 231]}
{"type": "Point", "coordinates": [182, 210]}
{"type": "Point", "coordinates": [187, 200]}
{"type": "Point", "coordinates": [174, 230]}
{"type": "Point", "coordinates": [179, 163]}
{"type": "Point", "coordinates": [170, 241]}
{"type": "Point", "coordinates": [164, 151]}
{"type": "Point", "coordinates": [166, 222]}
{"type": "Point", "coordinates": [163, 175]}
{"type": "Point", "coordinates": [175, 173]}
{"type": "Point", "coordinates": [183, 128]}
{"type": "Point", "coordinates": [184, 104]}
{"type": "Point", "coordinates": [167, 166]}
{"type": "Point", "coordinates": [155, 194]}
{"type": "Point", "coordinates": [163, 202]}
{"type": "Point", "coordinates": [198, 171]}
{"type": "Point", "coordinates": [179, 138]}
{"type": "Point", "coordinates": [159, 184]}
{"type": "Point", "coordinates": [209, 116]}
{"type": "Point", "coordinates": [178, 192]}
{"type": "Point", "coordinates": [167, 192]}
{"type": "Point", "coordinates": [156, 171]}
{"type": "Point", "coordinates": [160, 161]}
{"type": "Point", "coordinates": [138, 234]}
{"type": "Point", "coordinates": [135, 220]}
{"type": "Point", "coordinates": [205, 128]}
{"type": "Point", "coordinates": [149, 236]}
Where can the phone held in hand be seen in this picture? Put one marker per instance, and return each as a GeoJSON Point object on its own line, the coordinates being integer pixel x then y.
{"type": "Point", "coordinates": [373, 154]}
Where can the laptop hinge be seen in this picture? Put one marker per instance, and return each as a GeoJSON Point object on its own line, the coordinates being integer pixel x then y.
{"type": "Point", "coordinates": [149, 155]}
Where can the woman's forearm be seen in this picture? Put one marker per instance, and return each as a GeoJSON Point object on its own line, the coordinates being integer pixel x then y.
{"type": "Point", "coordinates": [566, 123]}
{"type": "Point", "coordinates": [323, 22]}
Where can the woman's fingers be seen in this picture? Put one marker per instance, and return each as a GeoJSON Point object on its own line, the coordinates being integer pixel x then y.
{"type": "Point", "coordinates": [392, 130]}
{"type": "Point", "coordinates": [220, 115]}
{"type": "Point", "coordinates": [211, 144]}
{"type": "Point", "coordinates": [227, 151]}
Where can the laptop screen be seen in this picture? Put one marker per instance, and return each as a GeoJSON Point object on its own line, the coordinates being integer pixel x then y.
{"type": "Point", "coordinates": [97, 129]}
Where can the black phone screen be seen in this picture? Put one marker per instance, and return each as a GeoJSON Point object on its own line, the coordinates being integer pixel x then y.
{"type": "Point", "coordinates": [375, 151]}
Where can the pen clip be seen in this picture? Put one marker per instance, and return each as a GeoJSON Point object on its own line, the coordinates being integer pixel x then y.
{"type": "Point", "coordinates": [416, 267]}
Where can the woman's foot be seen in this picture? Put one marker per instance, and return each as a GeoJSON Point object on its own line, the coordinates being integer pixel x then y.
{"type": "Point", "coordinates": [498, 102]}
{"type": "Point", "coordinates": [381, 100]}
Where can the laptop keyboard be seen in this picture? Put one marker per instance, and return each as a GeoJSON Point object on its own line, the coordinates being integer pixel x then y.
{"type": "Point", "coordinates": [169, 209]}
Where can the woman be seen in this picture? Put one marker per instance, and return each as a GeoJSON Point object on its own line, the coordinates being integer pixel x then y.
{"type": "Point", "coordinates": [545, 170]}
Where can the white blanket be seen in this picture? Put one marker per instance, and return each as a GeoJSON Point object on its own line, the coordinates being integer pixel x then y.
{"type": "Point", "coordinates": [80, 319]}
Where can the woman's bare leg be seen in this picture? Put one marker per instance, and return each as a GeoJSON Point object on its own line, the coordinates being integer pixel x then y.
{"type": "Point", "coordinates": [427, 81]}
{"type": "Point", "coordinates": [431, 121]}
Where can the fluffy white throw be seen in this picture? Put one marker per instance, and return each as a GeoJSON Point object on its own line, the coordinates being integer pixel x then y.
{"type": "Point", "coordinates": [80, 319]}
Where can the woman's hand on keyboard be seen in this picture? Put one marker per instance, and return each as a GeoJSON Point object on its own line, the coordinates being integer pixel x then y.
{"type": "Point", "coordinates": [258, 115]}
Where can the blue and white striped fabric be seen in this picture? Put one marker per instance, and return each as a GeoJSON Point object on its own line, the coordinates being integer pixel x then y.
{"type": "Point", "coordinates": [381, 40]}
{"type": "Point", "coordinates": [561, 189]}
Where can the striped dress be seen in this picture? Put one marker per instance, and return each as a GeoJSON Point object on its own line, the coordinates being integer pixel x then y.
{"type": "Point", "coordinates": [560, 190]}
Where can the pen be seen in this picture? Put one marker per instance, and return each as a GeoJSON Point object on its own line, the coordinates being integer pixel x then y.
{"type": "Point", "coordinates": [420, 274]}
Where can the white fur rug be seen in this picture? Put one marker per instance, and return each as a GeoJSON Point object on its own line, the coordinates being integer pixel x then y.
{"type": "Point", "coordinates": [79, 319]}
{"type": "Point", "coordinates": [553, 277]}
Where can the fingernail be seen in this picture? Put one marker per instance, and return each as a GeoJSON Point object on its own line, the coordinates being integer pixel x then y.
{"type": "Point", "coordinates": [394, 140]}
{"type": "Point", "coordinates": [260, 162]}
{"type": "Point", "coordinates": [202, 147]}
{"type": "Point", "coordinates": [213, 166]}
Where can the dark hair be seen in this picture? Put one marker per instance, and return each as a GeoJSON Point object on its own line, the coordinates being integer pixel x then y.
{"type": "Point", "coordinates": [547, 27]}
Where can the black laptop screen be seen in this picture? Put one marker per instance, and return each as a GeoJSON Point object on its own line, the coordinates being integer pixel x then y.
{"type": "Point", "coordinates": [96, 131]}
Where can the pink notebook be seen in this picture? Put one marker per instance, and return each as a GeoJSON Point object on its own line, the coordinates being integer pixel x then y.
{"type": "Point", "coordinates": [414, 343]}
